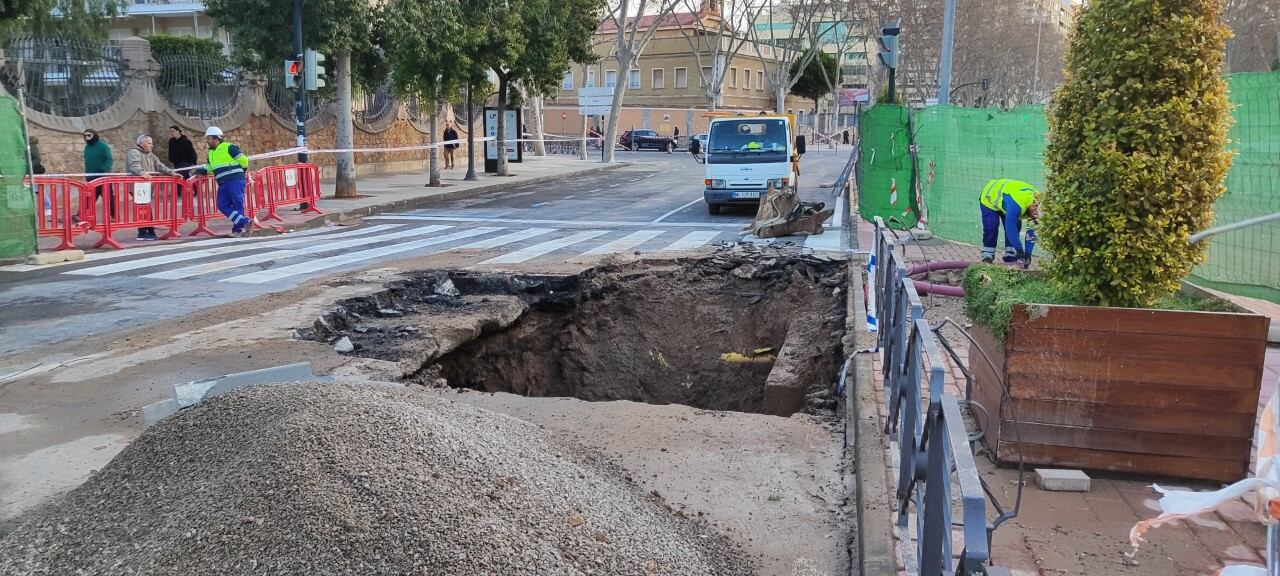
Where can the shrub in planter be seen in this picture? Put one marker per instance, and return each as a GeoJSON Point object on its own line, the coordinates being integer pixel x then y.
{"type": "Point", "coordinates": [1137, 149]}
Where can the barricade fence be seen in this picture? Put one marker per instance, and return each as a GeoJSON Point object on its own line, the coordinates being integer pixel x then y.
{"type": "Point", "coordinates": [934, 162]}
{"type": "Point", "coordinates": [936, 474]}
{"type": "Point", "coordinates": [111, 204]}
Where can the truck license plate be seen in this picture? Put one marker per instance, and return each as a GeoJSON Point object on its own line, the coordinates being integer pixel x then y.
{"type": "Point", "coordinates": [751, 194]}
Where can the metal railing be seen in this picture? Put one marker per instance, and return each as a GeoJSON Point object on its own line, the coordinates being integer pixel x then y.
{"type": "Point", "coordinates": [281, 99]}
{"type": "Point", "coordinates": [199, 86]}
{"type": "Point", "coordinates": [933, 448]}
{"type": "Point", "coordinates": [64, 77]}
{"type": "Point", "coordinates": [373, 107]}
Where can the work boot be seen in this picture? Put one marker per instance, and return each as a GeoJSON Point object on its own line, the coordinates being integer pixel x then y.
{"type": "Point", "coordinates": [988, 259]}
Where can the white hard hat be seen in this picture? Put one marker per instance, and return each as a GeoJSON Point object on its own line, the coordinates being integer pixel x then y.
{"type": "Point", "coordinates": [213, 131]}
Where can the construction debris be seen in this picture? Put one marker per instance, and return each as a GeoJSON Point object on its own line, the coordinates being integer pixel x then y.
{"type": "Point", "coordinates": [332, 478]}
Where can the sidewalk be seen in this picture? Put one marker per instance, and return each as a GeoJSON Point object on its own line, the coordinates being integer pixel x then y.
{"type": "Point", "coordinates": [385, 193]}
{"type": "Point", "coordinates": [1060, 533]}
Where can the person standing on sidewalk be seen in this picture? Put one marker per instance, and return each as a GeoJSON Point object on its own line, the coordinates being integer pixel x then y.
{"type": "Point", "coordinates": [182, 153]}
{"type": "Point", "coordinates": [451, 137]}
{"type": "Point", "coordinates": [228, 164]}
{"type": "Point", "coordinates": [141, 161]}
{"type": "Point", "coordinates": [97, 162]}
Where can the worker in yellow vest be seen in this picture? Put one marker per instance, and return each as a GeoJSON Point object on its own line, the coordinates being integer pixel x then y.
{"type": "Point", "coordinates": [228, 165]}
{"type": "Point", "coordinates": [1008, 202]}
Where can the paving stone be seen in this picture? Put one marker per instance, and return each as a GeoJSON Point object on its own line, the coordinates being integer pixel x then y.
{"type": "Point", "coordinates": [1062, 480]}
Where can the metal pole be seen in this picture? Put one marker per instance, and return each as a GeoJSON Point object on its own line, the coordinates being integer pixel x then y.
{"type": "Point", "coordinates": [948, 44]}
{"type": "Point", "coordinates": [299, 93]}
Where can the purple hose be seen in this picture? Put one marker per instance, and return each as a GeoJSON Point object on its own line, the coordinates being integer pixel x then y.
{"type": "Point", "coordinates": [938, 289]}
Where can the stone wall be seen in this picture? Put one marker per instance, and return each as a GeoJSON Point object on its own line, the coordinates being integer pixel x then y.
{"type": "Point", "coordinates": [144, 110]}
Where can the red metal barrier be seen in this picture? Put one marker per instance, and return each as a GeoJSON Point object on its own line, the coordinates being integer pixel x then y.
{"type": "Point", "coordinates": [126, 205]}
{"type": "Point", "coordinates": [289, 184]}
{"type": "Point", "coordinates": [200, 205]}
{"type": "Point", "coordinates": [64, 197]}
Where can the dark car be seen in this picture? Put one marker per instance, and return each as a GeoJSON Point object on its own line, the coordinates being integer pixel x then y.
{"type": "Point", "coordinates": [639, 139]}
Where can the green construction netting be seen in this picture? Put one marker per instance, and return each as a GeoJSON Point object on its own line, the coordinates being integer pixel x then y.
{"type": "Point", "coordinates": [884, 168]}
{"type": "Point", "coordinates": [961, 149]}
{"type": "Point", "coordinates": [1247, 261]}
{"type": "Point", "coordinates": [17, 208]}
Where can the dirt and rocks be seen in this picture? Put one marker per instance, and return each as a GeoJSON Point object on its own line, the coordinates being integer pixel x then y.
{"type": "Point", "coordinates": [355, 479]}
{"type": "Point", "coordinates": [745, 329]}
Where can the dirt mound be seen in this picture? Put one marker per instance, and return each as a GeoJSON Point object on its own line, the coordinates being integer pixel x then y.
{"type": "Point", "coordinates": [341, 479]}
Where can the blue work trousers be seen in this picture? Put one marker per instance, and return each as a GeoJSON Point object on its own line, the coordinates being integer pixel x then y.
{"type": "Point", "coordinates": [231, 203]}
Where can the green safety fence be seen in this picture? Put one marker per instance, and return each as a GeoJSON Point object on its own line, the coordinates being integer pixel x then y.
{"type": "Point", "coordinates": [960, 149]}
{"type": "Point", "coordinates": [17, 206]}
{"type": "Point", "coordinates": [884, 167]}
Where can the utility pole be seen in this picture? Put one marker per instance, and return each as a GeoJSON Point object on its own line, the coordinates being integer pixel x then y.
{"type": "Point", "coordinates": [948, 45]}
{"type": "Point", "coordinates": [299, 94]}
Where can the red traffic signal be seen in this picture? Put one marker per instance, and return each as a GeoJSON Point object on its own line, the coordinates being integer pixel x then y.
{"type": "Point", "coordinates": [293, 67]}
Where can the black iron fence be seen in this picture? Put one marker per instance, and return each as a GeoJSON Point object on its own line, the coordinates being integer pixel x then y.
{"type": "Point", "coordinates": [64, 77]}
{"type": "Point", "coordinates": [281, 98]}
{"type": "Point", "coordinates": [376, 106]}
{"type": "Point", "coordinates": [199, 86]}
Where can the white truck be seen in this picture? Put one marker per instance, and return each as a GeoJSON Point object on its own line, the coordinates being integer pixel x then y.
{"type": "Point", "coordinates": [745, 156]}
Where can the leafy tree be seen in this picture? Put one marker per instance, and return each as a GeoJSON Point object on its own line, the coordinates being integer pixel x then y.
{"type": "Point", "coordinates": [812, 83]}
{"type": "Point", "coordinates": [1137, 150]}
{"type": "Point", "coordinates": [84, 19]}
{"type": "Point", "coordinates": [425, 44]}
{"type": "Point", "coordinates": [343, 28]}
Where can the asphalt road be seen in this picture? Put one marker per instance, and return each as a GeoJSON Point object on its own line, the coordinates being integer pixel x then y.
{"type": "Point", "coordinates": [653, 205]}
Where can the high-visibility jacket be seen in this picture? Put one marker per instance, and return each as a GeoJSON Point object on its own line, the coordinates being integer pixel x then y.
{"type": "Point", "coordinates": [1021, 193]}
{"type": "Point", "coordinates": [227, 163]}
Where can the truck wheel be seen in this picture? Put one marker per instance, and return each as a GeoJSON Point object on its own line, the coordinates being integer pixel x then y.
{"type": "Point", "coordinates": [713, 209]}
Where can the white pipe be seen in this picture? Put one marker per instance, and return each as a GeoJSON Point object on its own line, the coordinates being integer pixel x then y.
{"type": "Point", "coordinates": [1236, 226]}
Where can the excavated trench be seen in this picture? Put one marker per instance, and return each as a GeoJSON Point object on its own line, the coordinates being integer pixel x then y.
{"type": "Point", "coordinates": [744, 329]}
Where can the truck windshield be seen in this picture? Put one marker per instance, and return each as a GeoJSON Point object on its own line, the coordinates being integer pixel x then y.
{"type": "Point", "coordinates": [749, 135]}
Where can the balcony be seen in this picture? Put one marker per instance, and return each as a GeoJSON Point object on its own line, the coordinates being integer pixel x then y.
{"type": "Point", "coordinates": [162, 7]}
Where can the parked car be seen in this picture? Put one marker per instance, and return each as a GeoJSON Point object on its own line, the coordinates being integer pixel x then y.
{"type": "Point", "coordinates": [638, 139]}
{"type": "Point", "coordinates": [702, 139]}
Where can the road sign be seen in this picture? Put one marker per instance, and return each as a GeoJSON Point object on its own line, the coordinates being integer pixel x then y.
{"type": "Point", "coordinates": [595, 110]}
{"type": "Point", "coordinates": [595, 101]}
{"type": "Point", "coordinates": [564, 115]}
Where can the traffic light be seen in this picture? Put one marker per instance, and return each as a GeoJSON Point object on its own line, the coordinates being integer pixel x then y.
{"type": "Point", "coordinates": [889, 44]}
{"type": "Point", "coordinates": [292, 69]}
{"type": "Point", "coordinates": [314, 77]}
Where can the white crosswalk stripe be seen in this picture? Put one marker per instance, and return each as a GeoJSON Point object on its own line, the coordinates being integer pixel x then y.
{"type": "Point", "coordinates": [531, 252]}
{"type": "Point", "coordinates": [691, 240]}
{"type": "Point", "coordinates": [196, 254]}
{"type": "Point", "coordinates": [322, 264]}
{"type": "Point", "coordinates": [624, 243]}
{"type": "Point", "coordinates": [264, 257]}
{"type": "Point", "coordinates": [300, 255]}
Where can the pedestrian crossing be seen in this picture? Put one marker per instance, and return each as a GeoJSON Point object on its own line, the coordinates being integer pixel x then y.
{"type": "Point", "coordinates": [294, 257]}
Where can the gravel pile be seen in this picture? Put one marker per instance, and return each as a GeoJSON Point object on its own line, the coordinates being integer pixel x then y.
{"type": "Point", "coordinates": [340, 479]}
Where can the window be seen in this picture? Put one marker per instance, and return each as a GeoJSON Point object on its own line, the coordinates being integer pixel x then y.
{"type": "Point", "coordinates": [610, 78]}
{"type": "Point", "coordinates": [591, 78]}
{"type": "Point", "coordinates": [682, 77]}
{"type": "Point", "coordinates": [746, 79]}
{"type": "Point", "coordinates": [633, 79]}
{"type": "Point", "coordinates": [659, 79]}
{"type": "Point", "coordinates": [706, 73]}
{"type": "Point", "coordinates": [733, 77]}
{"type": "Point", "coordinates": [759, 79]}
{"type": "Point", "coordinates": [567, 82]}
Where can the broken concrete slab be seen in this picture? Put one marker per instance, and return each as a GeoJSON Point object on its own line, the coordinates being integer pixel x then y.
{"type": "Point", "coordinates": [152, 413]}
{"type": "Point", "coordinates": [192, 393]}
{"type": "Point", "coordinates": [1062, 480]}
{"type": "Point", "coordinates": [45, 258]}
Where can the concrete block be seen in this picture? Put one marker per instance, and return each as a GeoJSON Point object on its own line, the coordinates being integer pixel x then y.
{"type": "Point", "coordinates": [1062, 480]}
{"type": "Point", "coordinates": [153, 413]}
{"type": "Point", "coordinates": [73, 255]}
{"type": "Point", "coordinates": [46, 258]}
{"type": "Point", "coordinates": [300, 372]}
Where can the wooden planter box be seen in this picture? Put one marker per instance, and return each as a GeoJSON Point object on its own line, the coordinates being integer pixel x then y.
{"type": "Point", "coordinates": [1153, 392]}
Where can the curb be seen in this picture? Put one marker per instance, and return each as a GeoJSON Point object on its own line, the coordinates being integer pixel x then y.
{"type": "Point", "coordinates": [872, 550]}
{"type": "Point", "coordinates": [411, 203]}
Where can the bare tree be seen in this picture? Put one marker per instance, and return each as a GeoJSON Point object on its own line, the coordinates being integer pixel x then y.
{"type": "Point", "coordinates": [627, 18]}
{"type": "Point", "coordinates": [1256, 25]}
{"type": "Point", "coordinates": [715, 37]}
{"type": "Point", "coordinates": [1018, 47]}
{"type": "Point", "coordinates": [796, 45]}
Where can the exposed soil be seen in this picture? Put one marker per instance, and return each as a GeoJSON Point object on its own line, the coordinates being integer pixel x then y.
{"type": "Point", "coordinates": [744, 329]}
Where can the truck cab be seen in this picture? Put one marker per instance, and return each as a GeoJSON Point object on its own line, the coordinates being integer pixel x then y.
{"type": "Point", "coordinates": [746, 155]}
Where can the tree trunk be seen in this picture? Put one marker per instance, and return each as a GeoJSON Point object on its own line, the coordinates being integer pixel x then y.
{"type": "Point", "coordinates": [434, 139]}
{"type": "Point", "coordinates": [471, 137]}
{"type": "Point", "coordinates": [539, 130]}
{"type": "Point", "coordinates": [582, 148]}
{"type": "Point", "coordinates": [346, 161]}
{"type": "Point", "coordinates": [503, 86]}
{"type": "Point", "coordinates": [780, 97]}
{"type": "Point", "coordinates": [625, 62]}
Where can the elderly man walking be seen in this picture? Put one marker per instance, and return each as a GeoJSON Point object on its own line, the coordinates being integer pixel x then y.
{"type": "Point", "coordinates": [228, 164]}
{"type": "Point", "coordinates": [141, 161]}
